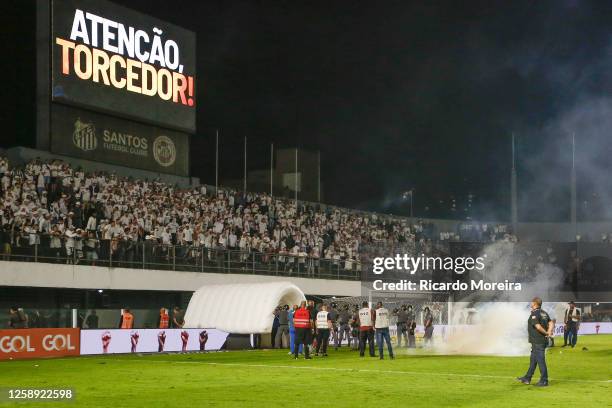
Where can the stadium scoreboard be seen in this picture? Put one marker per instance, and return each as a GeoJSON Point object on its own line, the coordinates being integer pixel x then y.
{"type": "Point", "coordinates": [122, 86]}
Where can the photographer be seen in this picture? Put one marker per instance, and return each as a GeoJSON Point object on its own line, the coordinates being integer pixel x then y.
{"type": "Point", "coordinates": [402, 325]}
{"type": "Point", "coordinates": [17, 318]}
{"type": "Point", "coordinates": [571, 320]}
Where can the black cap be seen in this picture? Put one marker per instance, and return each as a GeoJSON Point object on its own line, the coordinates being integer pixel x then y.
{"type": "Point", "coordinates": [571, 303]}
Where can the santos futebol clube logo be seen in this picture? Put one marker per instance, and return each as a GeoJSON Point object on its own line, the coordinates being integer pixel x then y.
{"type": "Point", "coordinates": [84, 137]}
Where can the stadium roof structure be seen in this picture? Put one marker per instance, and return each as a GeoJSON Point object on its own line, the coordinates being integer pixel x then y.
{"type": "Point", "coordinates": [242, 308]}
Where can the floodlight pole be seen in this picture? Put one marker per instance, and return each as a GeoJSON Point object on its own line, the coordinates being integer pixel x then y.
{"type": "Point", "coordinates": [217, 163]}
{"type": "Point", "coordinates": [319, 182]}
{"type": "Point", "coordinates": [296, 178]}
{"type": "Point", "coordinates": [513, 191]}
{"type": "Point", "coordinates": [411, 198]}
{"type": "Point", "coordinates": [573, 182]}
{"type": "Point", "coordinates": [245, 168]}
{"type": "Point", "coordinates": [271, 169]}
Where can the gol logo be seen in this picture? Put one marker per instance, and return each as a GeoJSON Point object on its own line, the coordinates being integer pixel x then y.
{"type": "Point", "coordinates": [25, 343]}
{"type": "Point", "coordinates": [58, 342]}
{"type": "Point", "coordinates": [15, 344]}
{"type": "Point", "coordinates": [50, 342]}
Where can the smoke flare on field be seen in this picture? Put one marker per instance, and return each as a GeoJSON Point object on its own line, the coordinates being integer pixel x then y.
{"type": "Point", "coordinates": [499, 327]}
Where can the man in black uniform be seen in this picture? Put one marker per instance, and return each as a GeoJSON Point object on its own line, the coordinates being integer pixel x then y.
{"type": "Point", "coordinates": [539, 328]}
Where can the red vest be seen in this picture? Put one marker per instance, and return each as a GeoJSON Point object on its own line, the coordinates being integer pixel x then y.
{"type": "Point", "coordinates": [164, 319]}
{"type": "Point", "coordinates": [128, 320]}
{"type": "Point", "coordinates": [301, 319]}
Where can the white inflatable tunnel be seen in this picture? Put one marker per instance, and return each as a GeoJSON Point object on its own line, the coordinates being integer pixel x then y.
{"type": "Point", "coordinates": [240, 308]}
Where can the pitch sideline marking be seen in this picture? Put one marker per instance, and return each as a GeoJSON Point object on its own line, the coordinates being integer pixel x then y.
{"type": "Point", "coordinates": [361, 370]}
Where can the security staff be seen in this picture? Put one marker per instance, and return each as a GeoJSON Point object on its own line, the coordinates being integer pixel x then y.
{"type": "Point", "coordinates": [303, 324]}
{"type": "Point", "coordinates": [539, 328]}
{"type": "Point", "coordinates": [366, 329]}
{"type": "Point", "coordinates": [127, 319]}
{"type": "Point", "coordinates": [402, 326]}
{"type": "Point", "coordinates": [381, 323]}
{"type": "Point", "coordinates": [571, 321]}
{"type": "Point", "coordinates": [324, 325]}
{"type": "Point", "coordinates": [164, 318]}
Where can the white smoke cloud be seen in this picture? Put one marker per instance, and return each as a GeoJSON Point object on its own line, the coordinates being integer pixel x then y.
{"type": "Point", "coordinates": [499, 327]}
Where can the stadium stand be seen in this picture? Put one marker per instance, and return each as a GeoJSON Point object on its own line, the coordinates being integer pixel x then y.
{"type": "Point", "coordinates": [52, 211]}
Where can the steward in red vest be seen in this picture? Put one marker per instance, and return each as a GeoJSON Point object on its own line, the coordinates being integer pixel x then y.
{"type": "Point", "coordinates": [164, 318]}
{"type": "Point", "coordinates": [302, 324]}
{"type": "Point", "coordinates": [127, 320]}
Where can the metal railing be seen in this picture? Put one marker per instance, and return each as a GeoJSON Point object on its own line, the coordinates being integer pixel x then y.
{"type": "Point", "coordinates": [188, 258]}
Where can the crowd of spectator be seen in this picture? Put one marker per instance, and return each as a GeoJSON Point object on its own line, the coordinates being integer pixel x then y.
{"type": "Point", "coordinates": [65, 214]}
{"type": "Point", "coordinates": [69, 214]}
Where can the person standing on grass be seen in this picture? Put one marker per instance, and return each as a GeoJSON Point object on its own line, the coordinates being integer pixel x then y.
{"type": "Point", "coordinates": [291, 327]}
{"type": "Point", "coordinates": [429, 328]}
{"type": "Point", "coordinates": [275, 324]}
{"type": "Point", "coordinates": [313, 317]}
{"type": "Point", "coordinates": [333, 316]}
{"type": "Point", "coordinates": [381, 324]}
{"type": "Point", "coordinates": [366, 331]}
{"type": "Point", "coordinates": [303, 326]}
{"type": "Point", "coordinates": [411, 327]}
{"type": "Point", "coordinates": [324, 325]}
{"type": "Point", "coordinates": [571, 320]}
{"type": "Point", "coordinates": [402, 326]}
{"type": "Point", "coordinates": [343, 327]}
{"type": "Point", "coordinates": [283, 326]}
{"type": "Point", "coordinates": [539, 328]}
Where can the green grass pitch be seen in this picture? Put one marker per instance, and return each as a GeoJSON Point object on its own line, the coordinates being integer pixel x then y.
{"type": "Point", "coordinates": [271, 378]}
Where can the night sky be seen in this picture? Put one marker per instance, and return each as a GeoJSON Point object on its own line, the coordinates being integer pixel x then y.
{"type": "Point", "coordinates": [399, 95]}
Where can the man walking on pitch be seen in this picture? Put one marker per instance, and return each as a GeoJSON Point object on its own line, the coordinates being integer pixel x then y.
{"type": "Point", "coordinates": [539, 328]}
{"type": "Point", "coordinates": [381, 323]}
